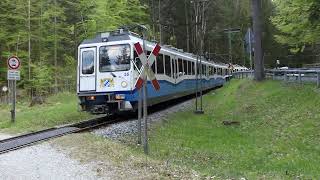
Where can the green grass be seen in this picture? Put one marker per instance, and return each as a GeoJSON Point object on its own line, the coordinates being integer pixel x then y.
{"type": "Point", "coordinates": [58, 109]}
{"type": "Point", "coordinates": [278, 137]}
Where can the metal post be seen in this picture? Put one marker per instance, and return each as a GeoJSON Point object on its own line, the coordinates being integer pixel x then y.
{"type": "Point", "coordinates": [285, 76]}
{"type": "Point", "coordinates": [230, 46]}
{"type": "Point", "coordinates": [139, 115]}
{"type": "Point", "coordinates": [201, 107]}
{"type": "Point", "coordinates": [250, 47]}
{"type": "Point", "coordinates": [197, 88]}
{"type": "Point", "coordinates": [318, 79]}
{"type": "Point", "coordinates": [145, 119]}
{"type": "Point", "coordinates": [300, 80]}
{"type": "Point", "coordinates": [14, 95]}
{"type": "Point", "coordinates": [145, 106]}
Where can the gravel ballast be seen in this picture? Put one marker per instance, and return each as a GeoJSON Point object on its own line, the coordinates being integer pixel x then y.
{"type": "Point", "coordinates": [118, 130]}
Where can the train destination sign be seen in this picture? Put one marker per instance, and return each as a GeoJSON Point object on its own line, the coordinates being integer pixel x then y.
{"type": "Point", "coordinates": [13, 63]}
{"type": "Point", "coordinates": [147, 63]}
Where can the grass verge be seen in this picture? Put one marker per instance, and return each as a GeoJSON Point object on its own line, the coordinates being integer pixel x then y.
{"type": "Point", "coordinates": [58, 109]}
{"type": "Point", "coordinates": [278, 136]}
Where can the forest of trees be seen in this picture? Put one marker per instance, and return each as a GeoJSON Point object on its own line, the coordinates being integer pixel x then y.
{"type": "Point", "coordinates": [45, 33]}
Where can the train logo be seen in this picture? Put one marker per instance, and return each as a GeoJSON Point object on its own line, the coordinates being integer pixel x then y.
{"type": "Point", "coordinates": [107, 82]}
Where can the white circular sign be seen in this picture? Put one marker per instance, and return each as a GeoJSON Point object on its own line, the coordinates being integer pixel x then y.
{"type": "Point", "coordinates": [4, 88]}
{"type": "Point", "coordinates": [14, 62]}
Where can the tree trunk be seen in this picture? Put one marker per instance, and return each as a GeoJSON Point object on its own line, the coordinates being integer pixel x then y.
{"type": "Point", "coordinates": [259, 74]}
{"type": "Point", "coordinates": [187, 25]}
{"type": "Point", "coordinates": [29, 41]}
{"type": "Point", "coordinates": [55, 49]}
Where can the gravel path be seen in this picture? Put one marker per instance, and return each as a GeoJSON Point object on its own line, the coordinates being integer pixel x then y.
{"type": "Point", "coordinates": [118, 130]}
{"type": "Point", "coordinates": [41, 162]}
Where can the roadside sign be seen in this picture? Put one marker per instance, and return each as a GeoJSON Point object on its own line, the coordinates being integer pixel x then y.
{"type": "Point", "coordinates": [13, 63]}
{"type": "Point", "coordinates": [147, 63]}
{"type": "Point", "coordinates": [13, 75]}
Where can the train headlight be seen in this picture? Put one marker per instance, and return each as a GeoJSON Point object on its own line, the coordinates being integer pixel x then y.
{"type": "Point", "coordinates": [91, 98]}
{"type": "Point", "coordinates": [124, 84]}
{"type": "Point", "coordinates": [120, 96]}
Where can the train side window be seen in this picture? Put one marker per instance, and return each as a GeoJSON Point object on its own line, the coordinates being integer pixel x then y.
{"type": "Point", "coordinates": [153, 66]}
{"type": "Point", "coordinates": [185, 64]}
{"type": "Point", "coordinates": [203, 71]}
{"type": "Point", "coordinates": [180, 67]}
{"type": "Point", "coordinates": [176, 68]}
{"type": "Point", "coordinates": [172, 65]}
{"type": "Point", "coordinates": [87, 62]}
{"type": "Point", "coordinates": [193, 68]}
{"type": "Point", "coordinates": [198, 68]}
{"type": "Point", "coordinates": [160, 68]}
{"type": "Point", "coordinates": [137, 61]}
{"type": "Point", "coordinates": [167, 65]}
{"type": "Point", "coordinates": [189, 68]}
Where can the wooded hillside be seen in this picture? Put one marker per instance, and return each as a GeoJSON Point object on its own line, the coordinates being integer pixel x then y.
{"type": "Point", "coordinates": [45, 33]}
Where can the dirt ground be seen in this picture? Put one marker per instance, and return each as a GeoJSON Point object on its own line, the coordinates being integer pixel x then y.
{"type": "Point", "coordinates": [84, 156]}
{"type": "Point", "coordinates": [42, 161]}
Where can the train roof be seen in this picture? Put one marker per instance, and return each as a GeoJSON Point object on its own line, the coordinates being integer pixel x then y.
{"type": "Point", "coordinates": [123, 35]}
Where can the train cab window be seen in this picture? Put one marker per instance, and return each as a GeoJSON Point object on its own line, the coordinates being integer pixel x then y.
{"type": "Point", "coordinates": [185, 67]}
{"type": "Point", "coordinates": [167, 65]}
{"type": "Point", "coordinates": [88, 62]}
{"type": "Point", "coordinates": [114, 58]}
{"type": "Point", "coordinates": [160, 65]}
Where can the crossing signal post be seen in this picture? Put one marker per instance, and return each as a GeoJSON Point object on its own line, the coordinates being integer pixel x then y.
{"type": "Point", "coordinates": [142, 84]}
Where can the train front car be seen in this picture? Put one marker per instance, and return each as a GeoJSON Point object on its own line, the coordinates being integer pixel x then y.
{"type": "Point", "coordinates": [105, 73]}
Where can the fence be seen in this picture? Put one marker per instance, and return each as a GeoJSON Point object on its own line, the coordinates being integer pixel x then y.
{"type": "Point", "coordinates": [293, 75]}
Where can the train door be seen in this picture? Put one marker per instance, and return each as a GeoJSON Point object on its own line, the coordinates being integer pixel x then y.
{"type": "Point", "coordinates": [87, 69]}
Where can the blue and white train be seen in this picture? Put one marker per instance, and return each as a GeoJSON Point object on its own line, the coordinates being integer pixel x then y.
{"type": "Point", "coordinates": [108, 68]}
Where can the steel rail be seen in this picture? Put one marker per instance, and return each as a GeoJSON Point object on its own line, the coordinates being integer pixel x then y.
{"type": "Point", "coordinates": [25, 140]}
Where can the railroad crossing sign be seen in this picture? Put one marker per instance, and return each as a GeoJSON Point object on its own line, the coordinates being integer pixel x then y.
{"type": "Point", "coordinates": [13, 63]}
{"type": "Point", "coordinates": [147, 63]}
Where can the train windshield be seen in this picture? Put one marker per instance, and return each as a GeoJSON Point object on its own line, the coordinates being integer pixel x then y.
{"type": "Point", "coordinates": [114, 58]}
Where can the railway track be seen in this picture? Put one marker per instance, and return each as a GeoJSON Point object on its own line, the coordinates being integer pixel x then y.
{"type": "Point", "coordinates": [29, 139]}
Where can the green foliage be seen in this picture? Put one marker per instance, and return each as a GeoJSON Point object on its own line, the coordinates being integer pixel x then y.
{"type": "Point", "coordinates": [57, 26]}
{"type": "Point", "coordinates": [276, 138]}
{"type": "Point", "coordinates": [298, 23]}
{"type": "Point", "coordinates": [42, 79]}
{"type": "Point", "coordinates": [58, 109]}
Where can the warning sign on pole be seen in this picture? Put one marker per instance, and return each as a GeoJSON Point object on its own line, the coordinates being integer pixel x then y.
{"type": "Point", "coordinates": [13, 76]}
{"type": "Point", "coordinates": [13, 63]}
